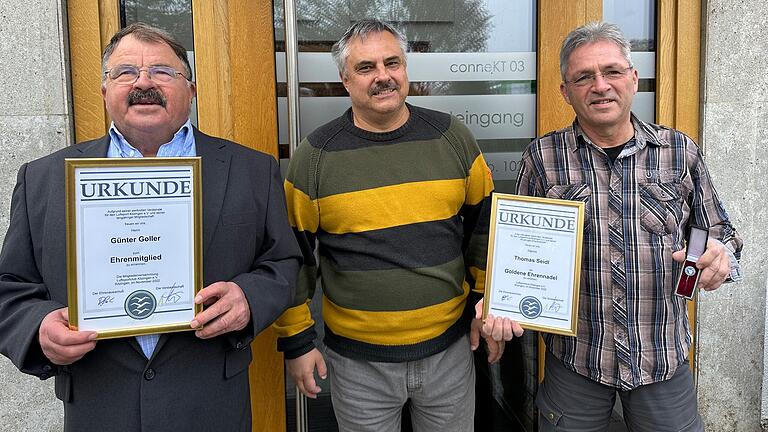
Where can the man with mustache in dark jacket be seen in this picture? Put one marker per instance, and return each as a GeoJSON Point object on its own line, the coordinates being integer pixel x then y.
{"type": "Point", "coordinates": [160, 382]}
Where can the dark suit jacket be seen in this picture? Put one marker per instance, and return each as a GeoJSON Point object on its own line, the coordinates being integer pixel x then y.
{"type": "Point", "coordinates": [189, 384]}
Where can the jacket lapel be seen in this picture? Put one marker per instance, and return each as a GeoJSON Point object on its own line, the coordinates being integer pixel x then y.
{"type": "Point", "coordinates": [95, 149]}
{"type": "Point", "coordinates": [214, 174]}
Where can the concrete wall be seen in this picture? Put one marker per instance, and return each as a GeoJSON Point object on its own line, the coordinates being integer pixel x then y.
{"type": "Point", "coordinates": [735, 140]}
{"type": "Point", "coordinates": [35, 118]}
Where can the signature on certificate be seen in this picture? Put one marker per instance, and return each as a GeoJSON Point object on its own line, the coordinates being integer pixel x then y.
{"type": "Point", "coordinates": [554, 307]}
{"type": "Point", "coordinates": [105, 300]}
{"type": "Point", "coordinates": [172, 296]}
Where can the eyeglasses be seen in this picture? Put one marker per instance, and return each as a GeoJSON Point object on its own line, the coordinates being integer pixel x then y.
{"type": "Point", "coordinates": [608, 75]}
{"type": "Point", "coordinates": [127, 74]}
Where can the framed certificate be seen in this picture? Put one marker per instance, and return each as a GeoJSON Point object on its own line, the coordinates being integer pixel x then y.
{"type": "Point", "coordinates": [534, 262]}
{"type": "Point", "coordinates": [134, 259]}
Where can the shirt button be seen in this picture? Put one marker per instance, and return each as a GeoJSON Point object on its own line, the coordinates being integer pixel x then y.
{"type": "Point", "coordinates": [47, 368]}
{"type": "Point", "coordinates": [149, 374]}
{"type": "Point", "coordinates": [239, 345]}
{"type": "Point", "coordinates": [551, 416]}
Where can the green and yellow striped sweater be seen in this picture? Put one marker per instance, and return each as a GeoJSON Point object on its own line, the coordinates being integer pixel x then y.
{"type": "Point", "coordinates": [401, 219]}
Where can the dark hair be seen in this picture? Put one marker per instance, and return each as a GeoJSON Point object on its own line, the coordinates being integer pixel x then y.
{"type": "Point", "coordinates": [361, 29]}
{"type": "Point", "coordinates": [146, 33]}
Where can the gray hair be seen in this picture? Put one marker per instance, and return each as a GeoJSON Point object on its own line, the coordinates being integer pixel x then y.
{"type": "Point", "coordinates": [146, 33]}
{"type": "Point", "coordinates": [362, 29]}
{"type": "Point", "coordinates": [590, 33]}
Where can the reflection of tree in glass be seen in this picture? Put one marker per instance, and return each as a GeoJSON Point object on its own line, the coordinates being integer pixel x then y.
{"type": "Point", "coordinates": [644, 45]}
{"type": "Point", "coordinates": [468, 31]}
{"type": "Point", "coordinates": [173, 16]}
{"type": "Point", "coordinates": [321, 22]}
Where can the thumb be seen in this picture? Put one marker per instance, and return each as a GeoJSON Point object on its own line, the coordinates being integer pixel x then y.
{"type": "Point", "coordinates": [474, 337]}
{"type": "Point", "coordinates": [493, 351]}
{"type": "Point", "coordinates": [679, 256]}
{"type": "Point", "coordinates": [322, 370]}
{"type": "Point", "coordinates": [479, 309]}
{"type": "Point", "coordinates": [212, 290]}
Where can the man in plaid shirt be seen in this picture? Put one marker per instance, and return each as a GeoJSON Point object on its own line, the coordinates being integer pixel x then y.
{"type": "Point", "coordinates": [644, 185]}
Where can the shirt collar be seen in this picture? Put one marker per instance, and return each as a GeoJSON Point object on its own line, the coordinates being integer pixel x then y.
{"type": "Point", "coordinates": [644, 135]}
{"type": "Point", "coordinates": [182, 144]}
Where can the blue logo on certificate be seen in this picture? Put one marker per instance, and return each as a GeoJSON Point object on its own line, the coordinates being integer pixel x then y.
{"type": "Point", "coordinates": [530, 307]}
{"type": "Point", "coordinates": [140, 304]}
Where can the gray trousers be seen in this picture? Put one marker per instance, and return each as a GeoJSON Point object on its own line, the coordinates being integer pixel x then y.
{"type": "Point", "coordinates": [569, 402]}
{"type": "Point", "coordinates": [369, 396]}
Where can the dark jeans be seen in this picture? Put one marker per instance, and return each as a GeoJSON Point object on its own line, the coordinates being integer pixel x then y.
{"type": "Point", "coordinates": [569, 402]}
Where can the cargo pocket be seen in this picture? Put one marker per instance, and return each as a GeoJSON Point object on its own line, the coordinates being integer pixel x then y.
{"type": "Point", "coordinates": [655, 202]}
{"type": "Point", "coordinates": [549, 414]}
{"type": "Point", "coordinates": [575, 192]}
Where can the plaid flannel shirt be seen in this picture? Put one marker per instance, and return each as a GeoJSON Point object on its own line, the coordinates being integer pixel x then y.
{"type": "Point", "coordinates": [632, 329]}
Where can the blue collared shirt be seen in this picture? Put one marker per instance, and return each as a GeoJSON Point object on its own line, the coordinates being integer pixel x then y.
{"type": "Point", "coordinates": [181, 145]}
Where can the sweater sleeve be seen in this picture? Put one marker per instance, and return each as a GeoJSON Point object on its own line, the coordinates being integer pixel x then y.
{"type": "Point", "coordinates": [295, 327]}
{"type": "Point", "coordinates": [475, 214]}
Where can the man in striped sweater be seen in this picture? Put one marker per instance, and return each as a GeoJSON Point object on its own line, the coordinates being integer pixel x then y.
{"type": "Point", "coordinates": [397, 198]}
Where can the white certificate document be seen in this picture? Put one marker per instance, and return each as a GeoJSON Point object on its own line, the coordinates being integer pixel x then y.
{"type": "Point", "coordinates": [534, 262]}
{"type": "Point", "coordinates": [133, 230]}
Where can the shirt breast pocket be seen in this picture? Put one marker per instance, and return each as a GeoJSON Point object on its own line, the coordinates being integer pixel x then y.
{"type": "Point", "coordinates": [657, 207]}
{"type": "Point", "coordinates": [575, 192]}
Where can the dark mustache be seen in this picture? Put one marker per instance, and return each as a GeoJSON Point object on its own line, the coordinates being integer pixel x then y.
{"type": "Point", "coordinates": [380, 87]}
{"type": "Point", "coordinates": [148, 95]}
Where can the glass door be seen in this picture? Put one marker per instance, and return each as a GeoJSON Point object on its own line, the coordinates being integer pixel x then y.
{"type": "Point", "coordinates": [638, 22]}
{"type": "Point", "coordinates": [174, 16]}
{"type": "Point", "coordinates": [475, 59]}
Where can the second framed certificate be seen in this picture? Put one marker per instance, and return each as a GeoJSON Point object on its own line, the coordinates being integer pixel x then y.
{"type": "Point", "coordinates": [534, 262]}
{"type": "Point", "coordinates": [134, 257]}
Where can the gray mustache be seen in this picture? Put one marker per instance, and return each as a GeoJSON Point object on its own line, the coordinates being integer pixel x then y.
{"type": "Point", "coordinates": [378, 88]}
{"type": "Point", "coordinates": [149, 95]}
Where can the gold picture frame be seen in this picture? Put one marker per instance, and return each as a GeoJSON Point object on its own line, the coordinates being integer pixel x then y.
{"type": "Point", "coordinates": [134, 244]}
{"type": "Point", "coordinates": [533, 269]}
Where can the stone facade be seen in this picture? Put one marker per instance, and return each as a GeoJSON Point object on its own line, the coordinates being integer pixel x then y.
{"type": "Point", "coordinates": [735, 141]}
{"type": "Point", "coordinates": [35, 119]}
